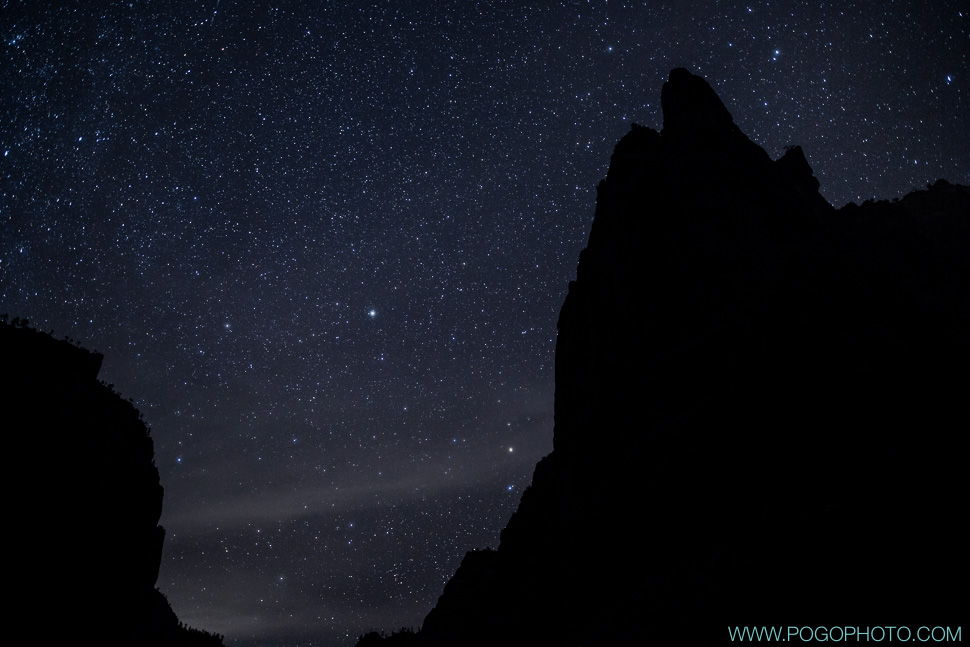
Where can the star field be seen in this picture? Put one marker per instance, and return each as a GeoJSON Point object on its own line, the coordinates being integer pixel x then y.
{"type": "Point", "coordinates": [323, 246]}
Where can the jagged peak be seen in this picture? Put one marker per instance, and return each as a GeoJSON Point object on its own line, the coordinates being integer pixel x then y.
{"type": "Point", "coordinates": [735, 367]}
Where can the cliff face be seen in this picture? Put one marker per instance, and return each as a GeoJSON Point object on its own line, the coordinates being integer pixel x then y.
{"type": "Point", "coordinates": [759, 405]}
{"type": "Point", "coordinates": [763, 383]}
{"type": "Point", "coordinates": [84, 504]}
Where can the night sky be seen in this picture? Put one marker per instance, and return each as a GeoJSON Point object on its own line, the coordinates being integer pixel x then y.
{"type": "Point", "coordinates": [323, 246]}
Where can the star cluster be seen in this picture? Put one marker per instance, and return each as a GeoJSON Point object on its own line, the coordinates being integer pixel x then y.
{"type": "Point", "coordinates": [323, 246]}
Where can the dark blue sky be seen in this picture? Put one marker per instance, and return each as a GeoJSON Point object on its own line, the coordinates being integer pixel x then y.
{"type": "Point", "coordinates": [323, 246]}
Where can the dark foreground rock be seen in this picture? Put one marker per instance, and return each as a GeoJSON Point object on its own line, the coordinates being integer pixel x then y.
{"type": "Point", "coordinates": [84, 499]}
{"type": "Point", "coordinates": [761, 404]}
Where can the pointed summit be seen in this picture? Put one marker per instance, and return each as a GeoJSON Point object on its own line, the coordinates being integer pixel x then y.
{"type": "Point", "coordinates": [689, 102]}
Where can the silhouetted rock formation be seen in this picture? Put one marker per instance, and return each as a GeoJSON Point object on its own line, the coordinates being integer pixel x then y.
{"type": "Point", "coordinates": [85, 500]}
{"type": "Point", "coordinates": [760, 405]}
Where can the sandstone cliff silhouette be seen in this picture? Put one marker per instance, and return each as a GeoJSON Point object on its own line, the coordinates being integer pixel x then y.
{"type": "Point", "coordinates": [760, 408]}
{"type": "Point", "coordinates": [84, 500]}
